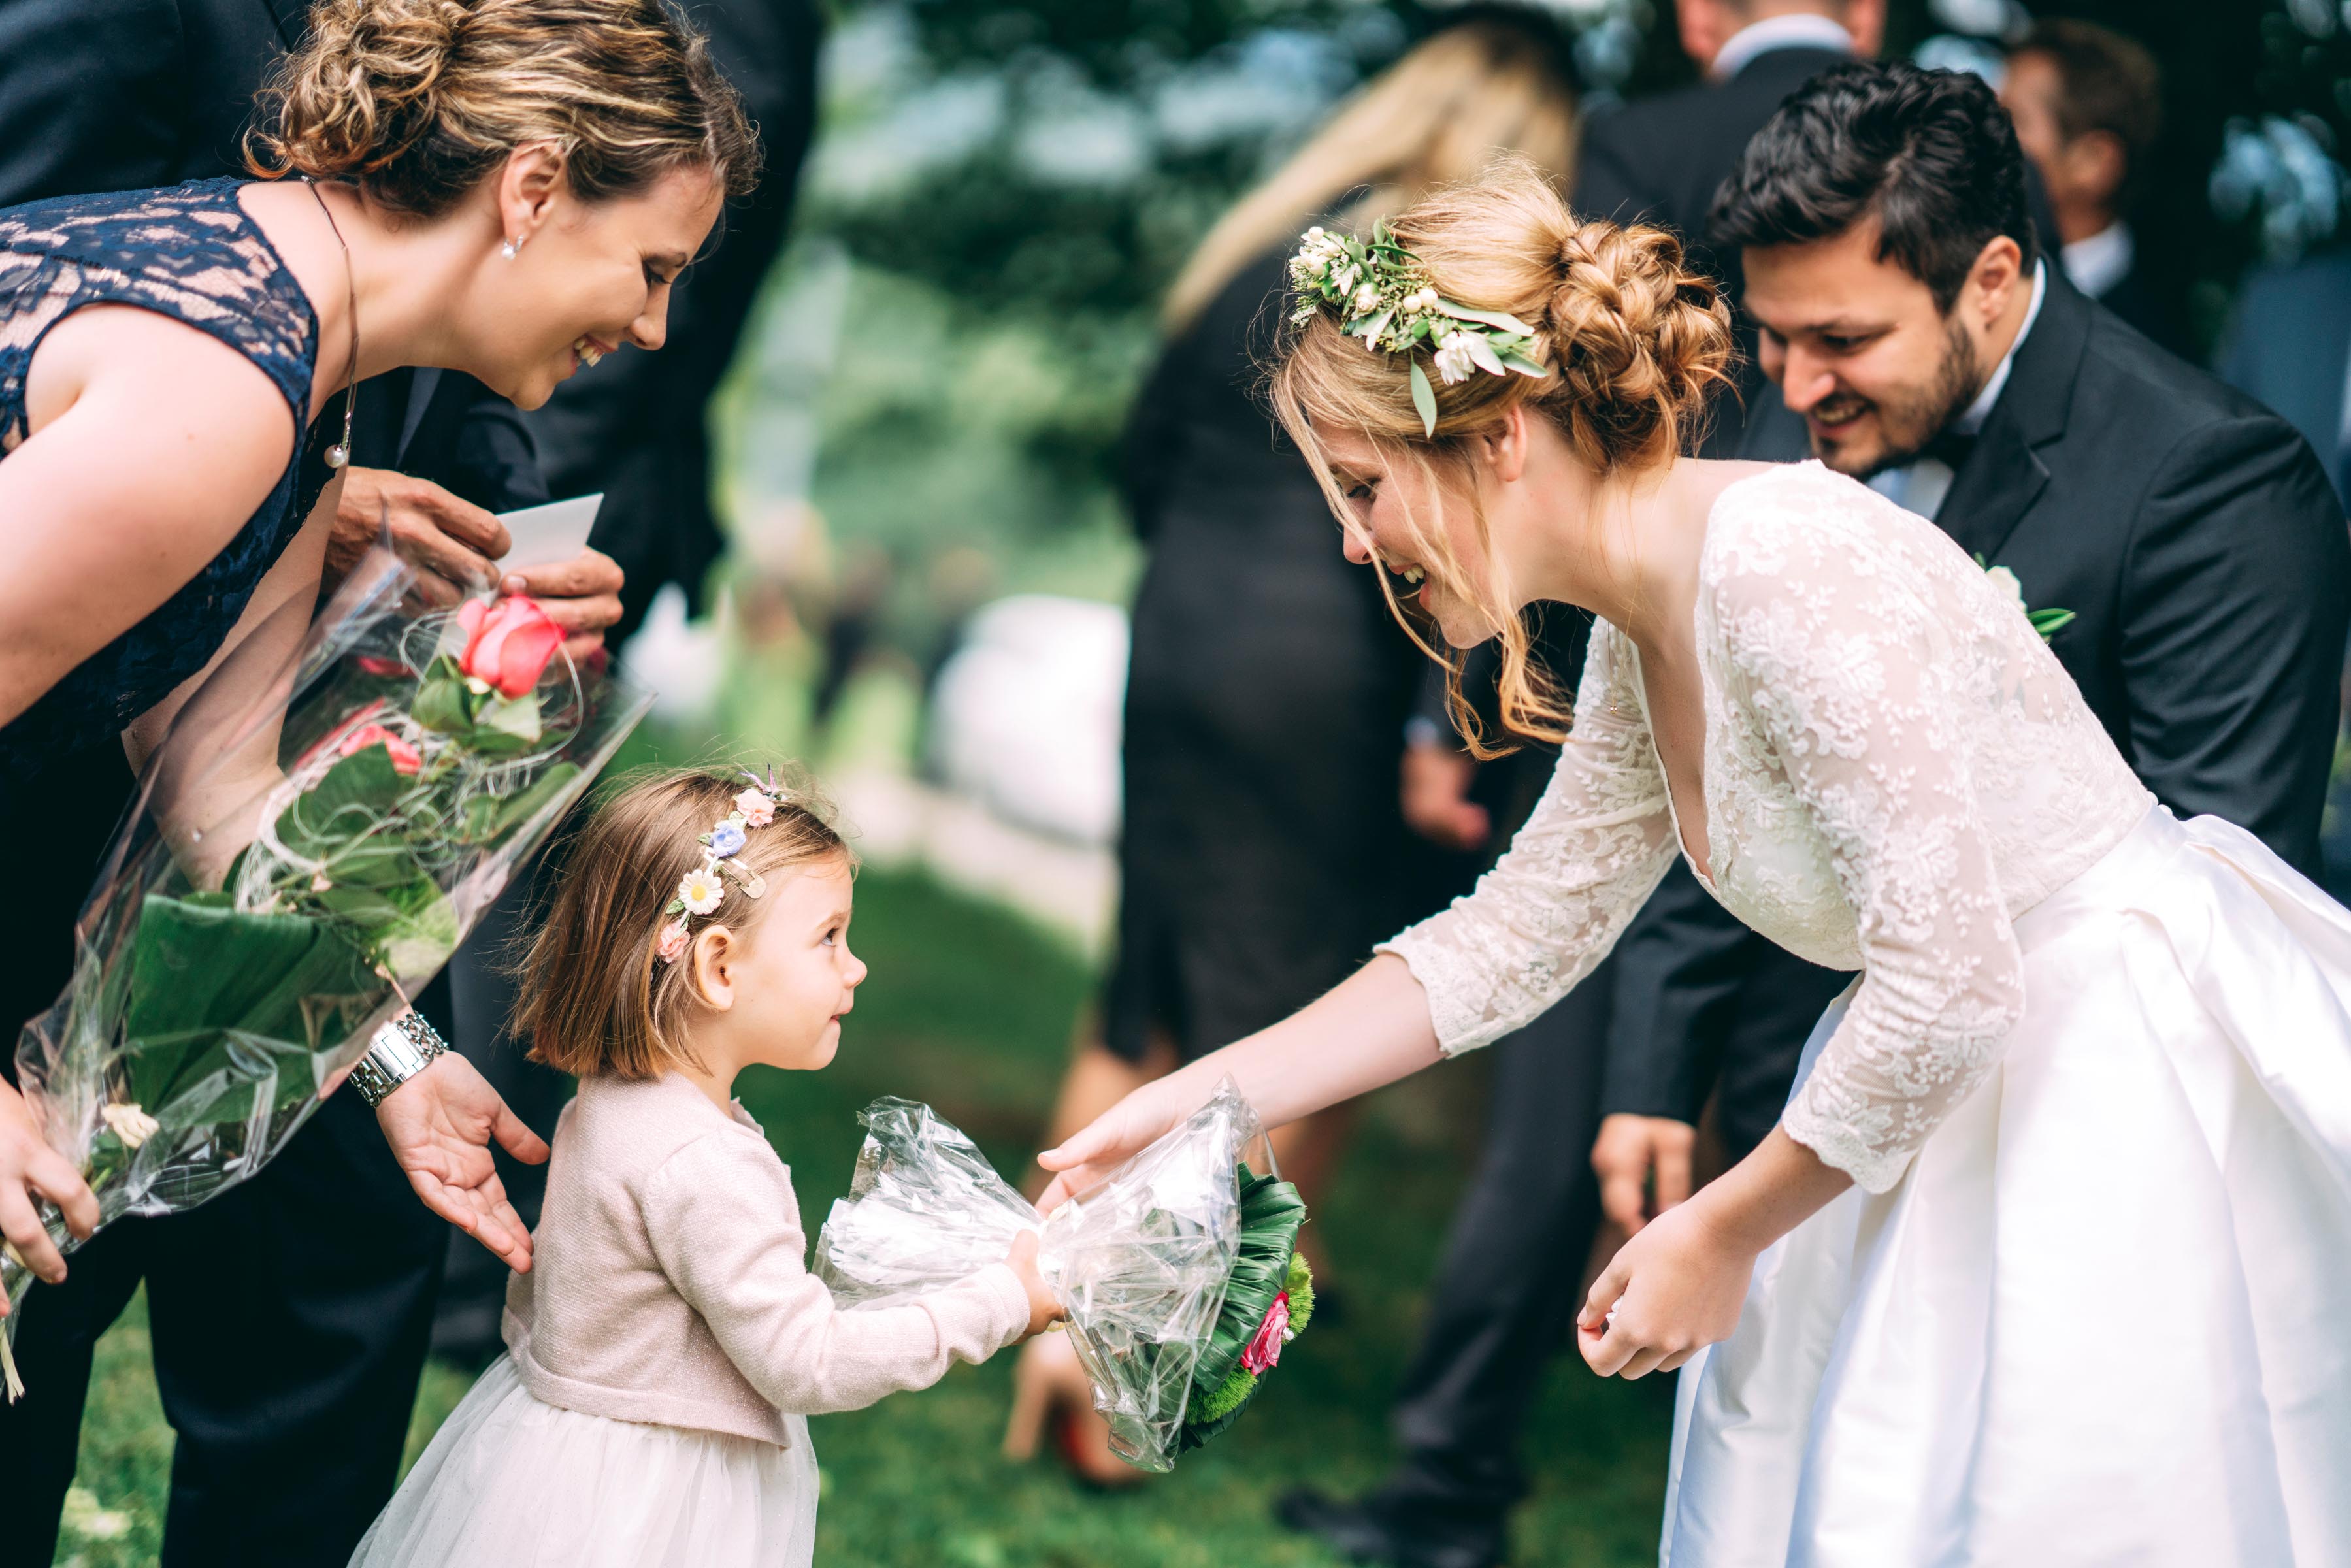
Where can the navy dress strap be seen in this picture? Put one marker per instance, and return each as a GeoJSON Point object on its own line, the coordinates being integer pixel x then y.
{"type": "Point", "coordinates": [189, 252]}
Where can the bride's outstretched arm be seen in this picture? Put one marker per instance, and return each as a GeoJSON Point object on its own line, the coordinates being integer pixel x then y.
{"type": "Point", "coordinates": [1539, 922]}
{"type": "Point", "coordinates": [1371, 1029]}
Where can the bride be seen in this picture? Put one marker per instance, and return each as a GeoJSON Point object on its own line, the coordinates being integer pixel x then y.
{"type": "Point", "coordinates": [2049, 1258]}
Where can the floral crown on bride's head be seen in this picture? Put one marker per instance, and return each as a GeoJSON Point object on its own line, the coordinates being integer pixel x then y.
{"type": "Point", "coordinates": [1382, 294]}
{"type": "Point", "coordinates": [704, 889]}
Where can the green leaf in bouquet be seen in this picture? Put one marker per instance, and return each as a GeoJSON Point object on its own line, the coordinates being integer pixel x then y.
{"type": "Point", "coordinates": [216, 997]}
{"type": "Point", "coordinates": [410, 927]}
{"type": "Point", "coordinates": [444, 702]}
{"type": "Point", "coordinates": [1271, 1216]}
{"type": "Point", "coordinates": [353, 797]}
{"type": "Point", "coordinates": [520, 809]}
{"type": "Point", "coordinates": [515, 720]}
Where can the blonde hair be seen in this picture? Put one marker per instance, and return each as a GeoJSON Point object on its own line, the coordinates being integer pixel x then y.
{"type": "Point", "coordinates": [418, 101]}
{"type": "Point", "coordinates": [1636, 343]}
{"type": "Point", "coordinates": [596, 999]}
{"type": "Point", "coordinates": [1484, 84]}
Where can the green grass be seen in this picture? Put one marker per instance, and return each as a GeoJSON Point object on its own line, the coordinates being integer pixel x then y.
{"type": "Point", "coordinates": [971, 1009]}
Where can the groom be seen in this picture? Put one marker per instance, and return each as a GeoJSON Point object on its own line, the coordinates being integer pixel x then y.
{"type": "Point", "coordinates": [1920, 340]}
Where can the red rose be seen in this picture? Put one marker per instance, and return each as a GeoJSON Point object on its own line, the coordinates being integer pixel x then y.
{"type": "Point", "coordinates": [508, 642]}
{"type": "Point", "coordinates": [405, 758]}
{"type": "Point", "coordinates": [1264, 1350]}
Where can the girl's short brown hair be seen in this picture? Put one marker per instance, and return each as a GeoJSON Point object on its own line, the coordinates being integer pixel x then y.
{"type": "Point", "coordinates": [596, 997]}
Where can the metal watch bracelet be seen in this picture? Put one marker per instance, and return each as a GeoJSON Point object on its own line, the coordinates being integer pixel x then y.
{"type": "Point", "coordinates": [401, 1050]}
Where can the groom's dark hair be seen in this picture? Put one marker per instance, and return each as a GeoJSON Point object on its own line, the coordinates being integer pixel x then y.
{"type": "Point", "coordinates": [1932, 155]}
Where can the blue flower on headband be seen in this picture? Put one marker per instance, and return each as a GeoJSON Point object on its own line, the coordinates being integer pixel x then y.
{"type": "Point", "coordinates": [726, 838]}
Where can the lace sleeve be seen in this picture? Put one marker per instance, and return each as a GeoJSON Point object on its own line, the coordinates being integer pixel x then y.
{"type": "Point", "coordinates": [1842, 656]}
{"type": "Point", "coordinates": [1587, 858]}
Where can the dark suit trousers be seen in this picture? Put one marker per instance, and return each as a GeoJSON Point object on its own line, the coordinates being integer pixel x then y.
{"type": "Point", "coordinates": [1505, 1295]}
{"type": "Point", "coordinates": [288, 1315]}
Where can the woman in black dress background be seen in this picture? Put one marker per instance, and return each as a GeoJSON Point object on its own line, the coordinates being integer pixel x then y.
{"type": "Point", "coordinates": [1268, 689]}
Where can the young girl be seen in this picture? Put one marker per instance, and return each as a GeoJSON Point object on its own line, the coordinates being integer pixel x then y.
{"type": "Point", "coordinates": [668, 1342]}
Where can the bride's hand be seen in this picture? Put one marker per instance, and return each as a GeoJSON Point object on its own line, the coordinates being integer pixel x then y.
{"type": "Point", "coordinates": [1676, 1288]}
{"type": "Point", "coordinates": [1125, 1129]}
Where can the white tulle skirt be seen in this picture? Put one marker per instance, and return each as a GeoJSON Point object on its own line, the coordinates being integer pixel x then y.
{"type": "Point", "coordinates": [2106, 1317]}
{"type": "Point", "coordinates": [509, 1483]}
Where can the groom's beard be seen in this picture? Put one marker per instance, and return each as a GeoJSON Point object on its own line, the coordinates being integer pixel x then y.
{"type": "Point", "coordinates": [1907, 420]}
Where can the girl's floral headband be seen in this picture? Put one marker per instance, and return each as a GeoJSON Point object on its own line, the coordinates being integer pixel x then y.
{"type": "Point", "coordinates": [704, 889]}
{"type": "Point", "coordinates": [1382, 294]}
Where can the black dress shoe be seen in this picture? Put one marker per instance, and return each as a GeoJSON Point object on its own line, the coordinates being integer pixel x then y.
{"type": "Point", "coordinates": [1375, 1531]}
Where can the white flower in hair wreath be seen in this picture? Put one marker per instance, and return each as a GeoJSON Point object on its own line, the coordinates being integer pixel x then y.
{"type": "Point", "coordinates": [1382, 295]}
{"type": "Point", "coordinates": [704, 889]}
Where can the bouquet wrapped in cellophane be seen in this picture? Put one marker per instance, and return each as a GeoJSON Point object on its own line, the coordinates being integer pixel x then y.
{"type": "Point", "coordinates": [318, 830]}
{"type": "Point", "coordinates": [1179, 1271]}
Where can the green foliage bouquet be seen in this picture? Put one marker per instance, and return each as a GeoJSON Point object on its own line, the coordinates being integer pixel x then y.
{"type": "Point", "coordinates": [324, 823]}
{"type": "Point", "coordinates": [1180, 1272]}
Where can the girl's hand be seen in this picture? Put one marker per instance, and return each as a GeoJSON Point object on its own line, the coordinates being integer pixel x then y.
{"type": "Point", "coordinates": [1676, 1288]}
{"type": "Point", "coordinates": [29, 1167]}
{"type": "Point", "coordinates": [1044, 1311]}
{"type": "Point", "coordinates": [1126, 1128]}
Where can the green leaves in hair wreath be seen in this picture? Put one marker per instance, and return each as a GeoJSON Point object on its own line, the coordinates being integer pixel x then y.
{"type": "Point", "coordinates": [1382, 295]}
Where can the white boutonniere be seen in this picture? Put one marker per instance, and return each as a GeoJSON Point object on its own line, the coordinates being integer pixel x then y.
{"type": "Point", "coordinates": [2048, 622]}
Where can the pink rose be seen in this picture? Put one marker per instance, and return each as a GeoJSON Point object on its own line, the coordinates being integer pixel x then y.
{"type": "Point", "coordinates": [1264, 1350]}
{"type": "Point", "coordinates": [376, 666]}
{"type": "Point", "coordinates": [758, 810]}
{"type": "Point", "coordinates": [672, 944]}
{"type": "Point", "coordinates": [508, 642]}
{"type": "Point", "coordinates": [405, 758]}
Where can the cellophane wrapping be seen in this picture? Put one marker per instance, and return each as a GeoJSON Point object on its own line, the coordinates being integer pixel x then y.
{"type": "Point", "coordinates": [318, 830]}
{"type": "Point", "coordinates": [1141, 1262]}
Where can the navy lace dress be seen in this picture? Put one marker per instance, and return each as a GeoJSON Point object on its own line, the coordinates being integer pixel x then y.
{"type": "Point", "coordinates": [189, 253]}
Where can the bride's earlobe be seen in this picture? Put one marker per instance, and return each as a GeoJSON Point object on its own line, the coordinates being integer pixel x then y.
{"type": "Point", "coordinates": [1506, 445]}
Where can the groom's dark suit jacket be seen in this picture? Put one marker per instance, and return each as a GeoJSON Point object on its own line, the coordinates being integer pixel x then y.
{"type": "Point", "coordinates": [2203, 550]}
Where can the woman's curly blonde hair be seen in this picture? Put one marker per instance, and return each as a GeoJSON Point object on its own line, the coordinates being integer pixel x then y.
{"type": "Point", "coordinates": [418, 101]}
{"type": "Point", "coordinates": [1638, 344]}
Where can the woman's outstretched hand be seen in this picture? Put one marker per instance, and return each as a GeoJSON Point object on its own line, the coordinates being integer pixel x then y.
{"type": "Point", "coordinates": [30, 1168]}
{"type": "Point", "coordinates": [440, 1124]}
{"type": "Point", "coordinates": [1126, 1128]}
{"type": "Point", "coordinates": [1673, 1288]}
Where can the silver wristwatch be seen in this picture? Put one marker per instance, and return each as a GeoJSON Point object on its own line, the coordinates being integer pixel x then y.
{"type": "Point", "coordinates": [401, 1050]}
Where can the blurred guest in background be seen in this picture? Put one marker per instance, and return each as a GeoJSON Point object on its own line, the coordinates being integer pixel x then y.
{"type": "Point", "coordinates": [2289, 347]}
{"type": "Point", "coordinates": [2088, 105]}
{"type": "Point", "coordinates": [1658, 160]}
{"type": "Point", "coordinates": [1262, 841]}
{"type": "Point", "coordinates": [635, 427]}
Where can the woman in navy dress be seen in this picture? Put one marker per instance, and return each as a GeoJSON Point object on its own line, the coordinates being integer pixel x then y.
{"type": "Point", "coordinates": [506, 188]}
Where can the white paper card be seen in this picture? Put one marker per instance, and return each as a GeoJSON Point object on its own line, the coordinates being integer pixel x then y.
{"type": "Point", "coordinates": [543, 536]}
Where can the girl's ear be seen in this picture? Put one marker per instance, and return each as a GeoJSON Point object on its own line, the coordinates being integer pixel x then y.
{"type": "Point", "coordinates": [710, 961]}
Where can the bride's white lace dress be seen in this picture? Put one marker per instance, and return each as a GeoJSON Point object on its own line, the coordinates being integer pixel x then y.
{"type": "Point", "coordinates": [2089, 1301]}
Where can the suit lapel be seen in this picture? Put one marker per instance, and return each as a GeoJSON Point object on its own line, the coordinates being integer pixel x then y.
{"type": "Point", "coordinates": [423, 381]}
{"type": "Point", "coordinates": [2004, 474]}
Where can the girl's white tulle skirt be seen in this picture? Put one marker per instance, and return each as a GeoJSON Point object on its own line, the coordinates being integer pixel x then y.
{"type": "Point", "coordinates": [2104, 1319]}
{"type": "Point", "coordinates": [509, 1483]}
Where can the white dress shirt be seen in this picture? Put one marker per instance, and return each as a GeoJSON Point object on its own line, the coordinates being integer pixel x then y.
{"type": "Point", "coordinates": [1921, 486]}
{"type": "Point", "coordinates": [2096, 263]}
{"type": "Point", "coordinates": [1798, 30]}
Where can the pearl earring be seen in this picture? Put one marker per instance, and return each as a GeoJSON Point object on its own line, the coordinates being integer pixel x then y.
{"type": "Point", "coordinates": [508, 249]}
